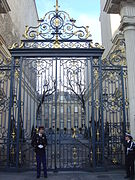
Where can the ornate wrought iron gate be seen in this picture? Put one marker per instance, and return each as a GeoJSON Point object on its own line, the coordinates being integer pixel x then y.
{"type": "Point", "coordinates": [62, 83]}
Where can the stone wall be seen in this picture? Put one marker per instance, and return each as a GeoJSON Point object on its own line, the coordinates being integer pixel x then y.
{"type": "Point", "coordinates": [109, 27]}
{"type": "Point", "coordinates": [12, 24]}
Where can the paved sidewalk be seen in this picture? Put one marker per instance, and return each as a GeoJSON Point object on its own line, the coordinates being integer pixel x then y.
{"type": "Point", "coordinates": [110, 175]}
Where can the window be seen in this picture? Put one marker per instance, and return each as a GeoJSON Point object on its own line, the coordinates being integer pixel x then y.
{"type": "Point", "coordinates": [46, 123]}
{"type": "Point", "coordinates": [61, 109]}
{"type": "Point", "coordinates": [69, 124]}
{"type": "Point", "coordinates": [76, 109]}
{"type": "Point", "coordinates": [76, 123]}
{"type": "Point", "coordinates": [53, 123]}
{"type": "Point", "coordinates": [46, 116]}
{"type": "Point", "coordinates": [61, 124]}
{"type": "Point", "coordinates": [69, 109]}
{"type": "Point", "coordinates": [53, 109]}
{"type": "Point", "coordinates": [61, 98]}
{"type": "Point", "coordinates": [46, 110]}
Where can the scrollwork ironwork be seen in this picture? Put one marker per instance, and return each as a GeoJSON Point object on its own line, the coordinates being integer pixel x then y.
{"type": "Point", "coordinates": [56, 23]}
{"type": "Point", "coordinates": [117, 57]}
{"type": "Point", "coordinates": [55, 30]}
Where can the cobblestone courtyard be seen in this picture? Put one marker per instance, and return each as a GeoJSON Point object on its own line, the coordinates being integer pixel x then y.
{"type": "Point", "coordinates": [110, 175]}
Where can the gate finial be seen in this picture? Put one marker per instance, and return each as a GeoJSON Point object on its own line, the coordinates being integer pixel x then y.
{"type": "Point", "coordinates": [57, 5]}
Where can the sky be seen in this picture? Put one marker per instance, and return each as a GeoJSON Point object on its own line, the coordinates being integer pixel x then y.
{"type": "Point", "coordinates": [85, 12]}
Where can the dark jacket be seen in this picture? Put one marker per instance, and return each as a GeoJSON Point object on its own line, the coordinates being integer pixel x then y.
{"type": "Point", "coordinates": [36, 141]}
{"type": "Point", "coordinates": [130, 149]}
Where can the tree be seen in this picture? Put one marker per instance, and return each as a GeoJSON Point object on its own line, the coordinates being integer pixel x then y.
{"type": "Point", "coordinates": [76, 84]}
{"type": "Point", "coordinates": [48, 91]}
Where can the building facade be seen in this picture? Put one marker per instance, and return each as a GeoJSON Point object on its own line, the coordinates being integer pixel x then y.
{"type": "Point", "coordinates": [13, 19]}
{"type": "Point", "coordinates": [123, 13]}
{"type": "Point", "coordinates": [109, 27]}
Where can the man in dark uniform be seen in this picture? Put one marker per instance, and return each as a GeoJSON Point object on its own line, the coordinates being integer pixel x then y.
{"type": "Point", "coordinates": [39, 142]}
{"type": "Point", "coordinates": [129, 156]}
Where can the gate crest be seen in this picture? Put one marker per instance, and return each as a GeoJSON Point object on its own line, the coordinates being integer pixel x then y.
{"type": "Point", "coordinates": [56, 30]}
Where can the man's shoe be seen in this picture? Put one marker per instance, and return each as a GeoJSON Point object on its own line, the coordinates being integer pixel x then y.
{"type": "Point", "coordinates": [38, 177]}
{"type": "Point", "coordinates": [45, 176]}
{"type": "Point", "coordinates": [126, 177]}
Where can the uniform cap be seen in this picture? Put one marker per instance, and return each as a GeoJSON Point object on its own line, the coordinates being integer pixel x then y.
{"type": "Point", "coordinates": [41, 127]}
{"type": "Point", "coordinates": [128, 135]}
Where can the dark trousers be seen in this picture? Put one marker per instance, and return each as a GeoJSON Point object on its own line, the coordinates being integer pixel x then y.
{"type": "Point", "coordinates": [41, 158]}
{"type": "Point", "coordinates": [129, 162]}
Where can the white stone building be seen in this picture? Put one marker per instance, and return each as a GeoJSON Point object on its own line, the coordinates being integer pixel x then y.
{"type": "Point", "coordinates": [118, 21]}
{"type": "Point", "coordinates": [109, 27]}
{"type": "Point", "coordinates": [14, 16]}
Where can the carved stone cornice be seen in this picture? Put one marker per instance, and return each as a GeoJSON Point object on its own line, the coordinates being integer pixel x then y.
{"type": "Point", "coordinates": [2, 40]}
{"type": "Point", "coordinates": [117, 38]}
{"type": "Point", "coordinates": [127, 22]}
{"type": "Point", "coordinates": [3, 48]}
{"type": "Point", "coordinates": [114, 6]}
{"type": "Point", "coordinates": [4, 7]}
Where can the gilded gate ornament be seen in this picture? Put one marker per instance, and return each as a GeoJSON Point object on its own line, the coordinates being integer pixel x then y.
{"type": "Point", "coordinates": [55, 27]}
{"type": "Point", "coordinates": [56, 23]}
{"type": "Point", "coordinates": [117, 57]}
